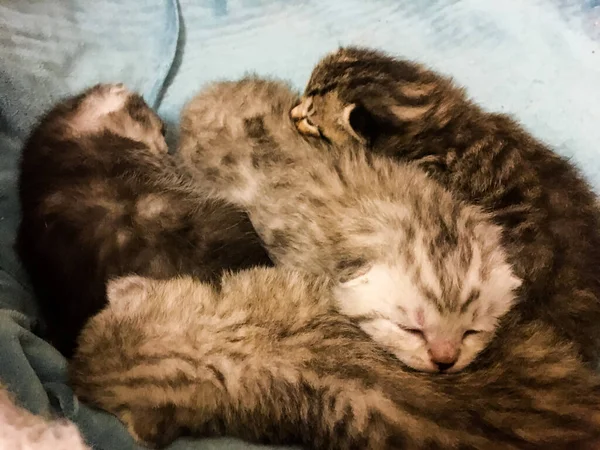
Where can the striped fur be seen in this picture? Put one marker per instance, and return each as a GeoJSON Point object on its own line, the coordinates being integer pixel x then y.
{"type": "Point", "coordinates": [548, 212]}
{"type": "Point", "coordinates": [424, 274]}
{"type": "Point", "coordinates": [266, 359]}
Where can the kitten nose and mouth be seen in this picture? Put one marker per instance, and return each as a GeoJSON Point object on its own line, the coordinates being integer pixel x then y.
{"type": "Point", "coordinates": [300, 115]}
{"type": "Point", "coordinates": [301, 110]}
{"type": "Point", "coordinates": [443, 354]}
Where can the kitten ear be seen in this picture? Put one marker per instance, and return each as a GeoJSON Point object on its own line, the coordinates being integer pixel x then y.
{"type": "Point", "coordinates": [127, 288]}
{"type": "Point", "coordinates": [357, 121]}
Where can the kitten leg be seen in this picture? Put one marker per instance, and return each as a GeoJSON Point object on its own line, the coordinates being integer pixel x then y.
{"type": "Point", "coordinates": [152, 427]}
{"type": "Point", "coordinates": [273, 403]}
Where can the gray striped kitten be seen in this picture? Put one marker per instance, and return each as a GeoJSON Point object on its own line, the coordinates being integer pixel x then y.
{"type": "Point", "coordinates": [548, 212]}
{"type": "Point", "coordinates": [423, 274]}
{"type": "Point", "coordinates": [266, 359]}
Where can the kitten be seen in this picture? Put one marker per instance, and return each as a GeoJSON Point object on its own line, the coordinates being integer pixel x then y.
{"type": "Point", "coordinates": [267, 360]}
{"type": "Point", "coordinates": [102, 198]}
{"type": "Point", "coordinates": [424, 274]}
{"type": "Point", "coordinates": [548, 212]}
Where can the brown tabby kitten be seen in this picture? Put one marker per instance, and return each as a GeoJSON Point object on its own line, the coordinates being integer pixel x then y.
{"type": "Point", "coordinates": [548, 212]}
{"type": "Point", "coordinates": [266, 359]}
{"type": "Point", "coordinates": [422, 273]}
{"type": "Point", "coordinates": [102, 198]}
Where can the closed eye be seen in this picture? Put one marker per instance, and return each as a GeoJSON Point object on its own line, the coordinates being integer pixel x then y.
{"type": "Point", "coordinates": [470, 333]}
{"type": "Point", "coordinates": [413, 331]}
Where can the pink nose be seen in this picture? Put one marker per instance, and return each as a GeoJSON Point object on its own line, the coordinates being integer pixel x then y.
{"type": "Point", "coordinates": [443, 354]}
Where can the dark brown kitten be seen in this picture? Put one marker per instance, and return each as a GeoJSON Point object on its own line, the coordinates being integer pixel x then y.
{"type": "Point", "coordinates": [102, 198]}
{"type": "Point", "coordinates": [548, 211]}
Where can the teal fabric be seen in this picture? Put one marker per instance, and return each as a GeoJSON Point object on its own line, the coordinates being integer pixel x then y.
{"type": "Point", "coordinates": [538, 59]}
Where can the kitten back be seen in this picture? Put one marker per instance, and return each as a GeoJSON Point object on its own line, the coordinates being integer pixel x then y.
{"type": "Point", "coordinates": [100, 198]}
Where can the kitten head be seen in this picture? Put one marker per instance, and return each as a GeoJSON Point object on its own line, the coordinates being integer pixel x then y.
{"type": "Point", "coordinates": [228, 110]}
{"type": "Point", "coordinates": [435, 307]}
{"type": "Point", "coordinates": [360, 94]}
{"type": "Point", "coordinates": [110, 108]}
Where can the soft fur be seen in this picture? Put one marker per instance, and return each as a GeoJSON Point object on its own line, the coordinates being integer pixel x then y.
{"type": "Point", "coordinates": [266, 359]}
{"type": "Point", "coordinates": [101, 198]}
{"type": "Point", "coordinates": [548, 212]}
{"type": "Point", "coordinates": [424, 274]}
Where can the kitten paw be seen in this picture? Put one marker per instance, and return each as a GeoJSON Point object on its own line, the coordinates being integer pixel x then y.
{"type": "Point", "coordinates": [151, 427]}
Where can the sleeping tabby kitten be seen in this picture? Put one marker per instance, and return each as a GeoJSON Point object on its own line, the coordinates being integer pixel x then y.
{"type": "Point", "coordinates": [267, 360]}
{"type": "Point", "coordinates": [549, 213]}
{"type": "Point", "coordinates": [102, 198]}
{"type": "Point", "coordinates": [423, 274]}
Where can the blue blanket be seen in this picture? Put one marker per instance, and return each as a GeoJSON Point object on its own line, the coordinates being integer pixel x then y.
{"type": "Point", "coordinates": [538, 59]}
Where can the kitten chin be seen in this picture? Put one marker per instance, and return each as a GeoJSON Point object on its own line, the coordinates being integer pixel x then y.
{"type": "Point", "coordinates": [446, 280]}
